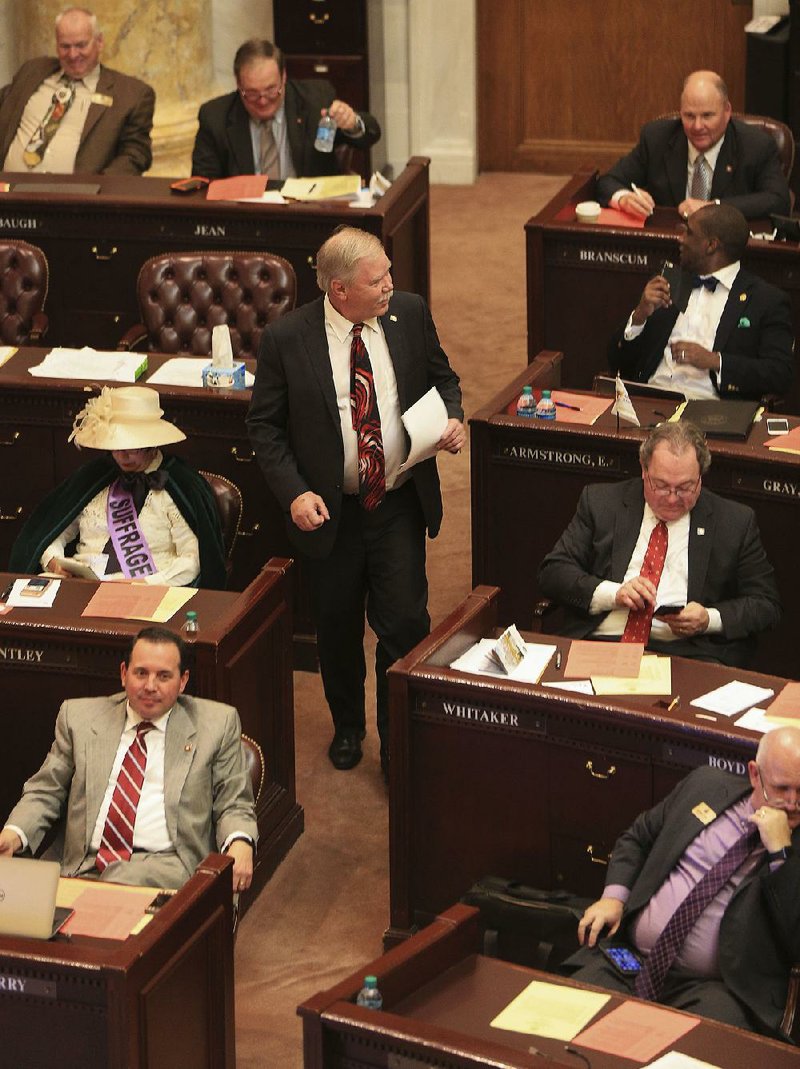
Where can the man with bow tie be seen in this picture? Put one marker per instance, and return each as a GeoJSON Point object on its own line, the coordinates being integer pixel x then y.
{"type": "Point", "coordinates": [734, 335]}
{"type": "Point", "coordinates": [333, 379]}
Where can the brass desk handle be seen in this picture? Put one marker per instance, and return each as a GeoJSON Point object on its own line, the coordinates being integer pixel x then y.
{"type": "Point", "coordinates": [319, 20]}
{"type": "Point", "coordinates": [104, 255]}
{"type": "Point", "coordinates": [12, 440]}
{"type": "Point", "coordinates": [6, 518]}
{"type": "Point", "coordinates": [612, 771]}
{"type": "Point", "coordinates": [241, 460]}
{"type": "Point", "coordinates": [595, 860]}
{"type": "Point", "coordinates": [249, 534]}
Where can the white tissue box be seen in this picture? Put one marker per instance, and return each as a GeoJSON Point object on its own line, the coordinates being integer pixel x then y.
{"type": "Point", "coordinates": [224, 378]}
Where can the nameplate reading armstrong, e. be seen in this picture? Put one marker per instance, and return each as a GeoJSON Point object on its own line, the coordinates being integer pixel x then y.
{"type": "Point", "coordinates": [546, 456]}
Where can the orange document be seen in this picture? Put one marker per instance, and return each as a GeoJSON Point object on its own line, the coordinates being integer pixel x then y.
{"type": "Point", "coordinates": [106, 916]}
{"type": "Point", "coordinates": [126, 601]}
{"type": "Point", "coordinates": [241, 185]}
{"type": "Point", "coordinates": [785, 443]}
{"type": "Point", "coordinates": [636, 1031]}
{"type": "Point", "coordinates": [787, 704]}
{"type": "Point", "coordinates": [585, 407]}
{"type": "Point", "coordinates": [618, 659]}
{"type": "Point", "coordinates": [614, 217]}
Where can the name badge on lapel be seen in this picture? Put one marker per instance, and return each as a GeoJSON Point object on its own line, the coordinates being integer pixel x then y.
{"type": "Point", "coordinates": [102, 99]}
{"type": "Point", "coordinates": [704, 813]}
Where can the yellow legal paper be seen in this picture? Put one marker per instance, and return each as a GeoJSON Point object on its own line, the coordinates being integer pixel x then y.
{"type": "Point", "coordinates": [655, 677]}
{"type": "Point", "coordinates": [551, 1010]}
{"type": "Point", "coordinates": [175, 598]}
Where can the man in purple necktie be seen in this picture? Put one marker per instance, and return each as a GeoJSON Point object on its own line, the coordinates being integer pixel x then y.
{"type": "Point", "coordinates": [737, 942]}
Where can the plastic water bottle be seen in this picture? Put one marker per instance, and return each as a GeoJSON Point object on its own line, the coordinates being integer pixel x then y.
{"type": "Point", "coordinates": [326, 134]}
{"type": "Point", "coordinates": [191, 626]}
{"type": "Point", "coordinates": [369, 995]}
{"type": "Point", "coordinates": [546, 409]}
{"type": "Point", "coordinates": [526, 405]}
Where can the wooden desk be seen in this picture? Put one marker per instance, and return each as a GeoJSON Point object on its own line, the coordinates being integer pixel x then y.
{"type": "Point", "coordinates": [584, 280]}
{"type": "Point", "coordinates": [242, 657]}
{"type": "Point", "coordinates": [439, 995]}
{"type": "Point", "coordinates": [527, 476]}
{"type": "Point", "coordinates": [161, 998]}
{"type": "Point", "coordinates": [96, 244]}
{"type": "Point", "coordinates": [36, 416]}
{"type": "Point", "coordinates": [490, 776]}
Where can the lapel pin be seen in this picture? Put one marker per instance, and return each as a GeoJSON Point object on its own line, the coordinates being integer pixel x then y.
{"type": "Point", "coordinates": [742, 297]}
{"type": "Point", "coordinates": [729, 168]}
{"type": "Point", "coordinates": [701, 530]}
{"type": "Point", "coordinates": [744, 322]}
{"type": "Point", "coordinates": [188, 747]}
{"type": "Point", "coordinates": [393, 318]}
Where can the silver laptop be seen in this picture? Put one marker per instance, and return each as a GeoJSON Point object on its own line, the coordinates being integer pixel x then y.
{"type": "Point", "coordinates": [28, 897]}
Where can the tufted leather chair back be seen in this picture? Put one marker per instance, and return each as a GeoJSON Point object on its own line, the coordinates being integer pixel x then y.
{"type": "Point", "coordinates": [228, 498]}
{"type": "Point", "coordinates": [24, 277]}
{"type": "Point", "coordinates": [184, 295]}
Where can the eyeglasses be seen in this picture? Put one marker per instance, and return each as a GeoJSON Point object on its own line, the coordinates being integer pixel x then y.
{"type": "Point", "coordinates": [662, 489]}
{"type": "Point", "coordinates": [252, 96]}
{"type": "Point", "coordinates": [780, 799]}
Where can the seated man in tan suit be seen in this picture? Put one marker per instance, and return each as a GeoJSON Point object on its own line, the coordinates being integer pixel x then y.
{"type": "Point", "coordinates": [70, 114]}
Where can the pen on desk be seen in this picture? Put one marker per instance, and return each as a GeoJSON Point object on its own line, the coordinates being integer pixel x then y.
{"type": "Point", "coordinates": [558, 658]}
{"type": "Point", "coordinates": [7, 592]}
{"type": "Point", "coordinates": [312, 187]}
{"type": "Point", "coordinates": [563, 404]}
{"type": "Point", "coordinates": [675, 702]}
{"type": "Point", "coordinates": [705, 716]}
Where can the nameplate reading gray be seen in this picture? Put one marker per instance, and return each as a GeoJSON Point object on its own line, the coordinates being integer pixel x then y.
{"type": "Point", "coordinates": [18, 222]}
{"type": "Point", "coordinates": [546, 456]}
{"type": "Point", "coordinates": [24, 985]}
{"type": "Point", "coordinates": [770, 486]}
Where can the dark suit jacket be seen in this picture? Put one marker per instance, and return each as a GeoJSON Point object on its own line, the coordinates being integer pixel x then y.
{"type": "Point", "coordinates": [207, 790]}
{"type": "Point", "coordinates": [294, 420]}
{"type": "Point", "coordinates": [115, 138]}
{"type": "Point", "coordinates": [728, 569]}
{"type": "Point", "coordinates": [748, 174]}
{"type": "Point", "coordinates": [223, 146]}
{"type": "Point", "coordinates": [760, 932]}
{"type": "Point", "coordinates": [755, 337]}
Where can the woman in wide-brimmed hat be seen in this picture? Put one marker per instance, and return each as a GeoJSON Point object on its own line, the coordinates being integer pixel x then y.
{"type": "Point", "coordinates": [136, 514]}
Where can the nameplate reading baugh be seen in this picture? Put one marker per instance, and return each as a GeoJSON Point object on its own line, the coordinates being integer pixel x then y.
{"type": "Point", "coordinates": [18, 222]}
{"type": "Point", "coordinates": [545, 456]}
{"type": "Point", "coordinates": [24, 985]}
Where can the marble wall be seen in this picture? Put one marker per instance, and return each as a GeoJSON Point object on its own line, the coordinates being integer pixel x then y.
{"type": "Point", "coordinates": [422, 68]}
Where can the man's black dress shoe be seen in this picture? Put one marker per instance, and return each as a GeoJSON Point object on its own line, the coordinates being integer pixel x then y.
{"type": "Point", "coordinates": [345, 750]}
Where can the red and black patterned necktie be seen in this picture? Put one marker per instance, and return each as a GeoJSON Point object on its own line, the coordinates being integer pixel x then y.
{"type": "Point", "coordinates": [366, 424]}
{"type": "Point", "coordinates": [117, 840]}
{"type": "Point", "coordinates": [637, 627]}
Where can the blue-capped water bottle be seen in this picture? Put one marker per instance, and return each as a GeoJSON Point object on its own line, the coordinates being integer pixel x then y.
{"type": "Point", "coordinates": [546, 409]}
{"type": "Point", "coordinates": [369, 995]}
{"type": "Point", "coordinates": [326, 134]}
{"type": "Point", "coordinates": [526, 405]}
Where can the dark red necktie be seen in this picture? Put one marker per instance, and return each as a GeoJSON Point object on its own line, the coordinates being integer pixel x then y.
{"type": "Point", "coordinates": [637, 628]}
{"type": "Point", "coordinates": [650, 980]}
{"type": "Point", "coordinates": [366, 424]}
{"type": "Point", "coordinates": [117, 841]}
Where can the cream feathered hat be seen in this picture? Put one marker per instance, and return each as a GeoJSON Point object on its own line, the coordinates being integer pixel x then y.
{"type": "Point", "coordinates": [129, 417]}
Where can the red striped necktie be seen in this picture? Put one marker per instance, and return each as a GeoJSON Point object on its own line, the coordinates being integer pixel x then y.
{"type": "Point", "coordinates": [367, 424]}
{"type": "Point", "coordinates": [637, 628]}
{"type": "Point", "coordinates": [117, 841]}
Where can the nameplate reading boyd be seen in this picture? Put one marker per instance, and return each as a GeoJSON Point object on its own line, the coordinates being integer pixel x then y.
{"type": "Point", "coordinates": [24, 985]}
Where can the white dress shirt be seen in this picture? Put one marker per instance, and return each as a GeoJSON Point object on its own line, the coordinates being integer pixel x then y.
{"type": "Point", "coordinates": [281, 141]}
{"type": "Point", "coordinates": [711, 155]}
{"type": "Point", "coordinates": [59, 157]}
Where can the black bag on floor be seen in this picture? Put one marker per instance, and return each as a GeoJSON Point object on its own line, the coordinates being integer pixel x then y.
{"type": "Point", "coordinates": [525, 925]}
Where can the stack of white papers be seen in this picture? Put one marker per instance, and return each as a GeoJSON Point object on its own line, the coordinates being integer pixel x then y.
{"type": "Point", "coordinates": [88, 363]}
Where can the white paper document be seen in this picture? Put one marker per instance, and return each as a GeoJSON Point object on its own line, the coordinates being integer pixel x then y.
{"type": "Point", "coordinates": [425, 422]}
{"type": "Point", "coordinates": [673, 1059]}
{"type": "Point", "coordinates": [90, 363]}
{"type": "Point", "coordinates": [479, 660]}
{"type": "Point", "coordinates": [756, 720]}
{"type": "Point", "coordinates": [580, 686]}
{"type": "Point", "coordinates": [186, 371]}
{"type": "Point", "coordinates": [733, 698]}
{"type": "Point", "coordinates": [26, 601]}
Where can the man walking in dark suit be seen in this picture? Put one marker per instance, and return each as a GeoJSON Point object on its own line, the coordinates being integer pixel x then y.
{"type": "Point", "coordinates": [704, 155]}
{"type": "Point", "coordinates": [332, 381]}
{"type": "Point", "coordinates": [733, 337]}
{"type": "Point", "coordinates": [663, 540]}
{"type": "Point", "coordinates": [268, 126]}
{"type": "Point", "coordinates": [71, 114]}
{"type": "Point", "coordinates": [742, 927]}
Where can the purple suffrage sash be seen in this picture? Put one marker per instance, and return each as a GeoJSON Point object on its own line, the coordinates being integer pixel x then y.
{"type": "Point", "coordinates": [130, 545]}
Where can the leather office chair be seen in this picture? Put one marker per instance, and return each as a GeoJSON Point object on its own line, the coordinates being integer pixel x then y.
{"type": "Point", "coordinates": [24, 277]}
{"type": "Point", "coordinates": [228, 497]}
{"type": "Point", "coordinates": [777, 130]}
{"type": "Point", "coordinates": [254, 760]}
{"type": "Point", "coordinates": [184, 295]}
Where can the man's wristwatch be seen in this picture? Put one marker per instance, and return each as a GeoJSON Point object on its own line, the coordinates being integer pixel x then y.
{"type": "Point", "coordinates": [780, 855]}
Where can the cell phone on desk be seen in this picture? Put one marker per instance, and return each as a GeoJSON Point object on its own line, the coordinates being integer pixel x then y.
{"type": "Point", "coordinates": [34, 588]}
{"type": "Point", "coordinates": [184, 186]}
{"type": "Point", "coordinates": [777, 426]}
{"type": "Point", "coordinates": [626, 961]}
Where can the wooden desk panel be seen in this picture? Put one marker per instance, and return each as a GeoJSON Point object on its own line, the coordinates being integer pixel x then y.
{"type": "Point", "coordinates": [161, 998]}
{"type": "Point", "coordinates": [36, 416]}
{"type": "Point", "coordinates": [489, 776]}
{"type": "Point", "coordinates": [96, 244]}
{"type": "Point", "coordinates": [439, 997]}
{"type": "Point", "coordinates": [527, 476]}
{"type": "Point", "coordinates": [242, 656]}
{"type": "Point", "coordinates": [584, 280]}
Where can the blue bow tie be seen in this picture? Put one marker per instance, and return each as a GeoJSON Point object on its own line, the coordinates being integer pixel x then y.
{"type": "Point", "coordinates": [709, 283]}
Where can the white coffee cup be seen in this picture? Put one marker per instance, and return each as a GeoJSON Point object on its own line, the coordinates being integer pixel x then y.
{"type": "Point", "coordinates": [588, 211]}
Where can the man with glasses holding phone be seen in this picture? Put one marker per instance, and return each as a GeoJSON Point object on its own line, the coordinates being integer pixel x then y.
{"type": "Point", "coordinates": [661, 560]}
{"type": "Point", "coordinates": [269, 124]}
{"type": "Point", "coordinates": [705, 889]}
